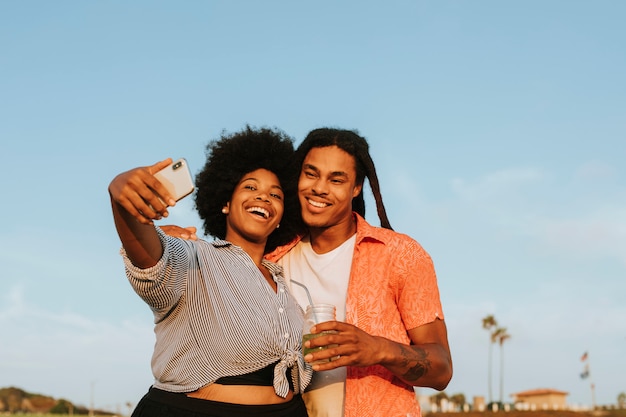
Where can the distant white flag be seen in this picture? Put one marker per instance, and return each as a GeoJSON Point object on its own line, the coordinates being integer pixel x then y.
{"type": "Point", "coordinates": [585, 373]}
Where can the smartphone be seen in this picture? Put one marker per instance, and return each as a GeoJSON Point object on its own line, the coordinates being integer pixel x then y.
{"type": "Point", "coordinates": [176, 177]}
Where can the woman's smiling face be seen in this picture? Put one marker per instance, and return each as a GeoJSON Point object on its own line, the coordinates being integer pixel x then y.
{"type": "Point", "coordinates": [255, 207]}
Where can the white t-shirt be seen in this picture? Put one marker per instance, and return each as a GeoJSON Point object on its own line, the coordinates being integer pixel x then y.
{"type": "Point", "coordinates": [326, 277]}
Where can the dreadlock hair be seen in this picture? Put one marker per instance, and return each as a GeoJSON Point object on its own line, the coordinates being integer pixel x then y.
{"type": "Point", "coordinates": [229, 158]}
{"type": "Point", "coordinates": [355, 145]}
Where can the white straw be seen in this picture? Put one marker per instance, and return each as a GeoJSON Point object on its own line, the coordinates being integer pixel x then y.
{"type": "Point", "coordinates": [308, 295]}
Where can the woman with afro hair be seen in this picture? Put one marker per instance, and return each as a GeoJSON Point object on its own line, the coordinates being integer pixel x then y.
{"type": "Point", "coordinates": [228, 331]}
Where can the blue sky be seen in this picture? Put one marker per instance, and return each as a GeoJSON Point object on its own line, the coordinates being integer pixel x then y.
{"type": "Point", "coordinates": [498, 130]}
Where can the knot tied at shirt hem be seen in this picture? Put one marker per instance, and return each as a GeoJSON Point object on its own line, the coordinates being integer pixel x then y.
{"type": "Point", "coordinates": [301, 373]}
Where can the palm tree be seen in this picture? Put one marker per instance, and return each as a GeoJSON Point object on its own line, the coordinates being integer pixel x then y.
{"type": "Point", "coordinates": [500, 335]}
{"type": "Point", "coordinates": [438, 399]}
{"type": "Point", "coordinates": [489, 322]}
{"type": "Point", "coordinates": [458, 400]}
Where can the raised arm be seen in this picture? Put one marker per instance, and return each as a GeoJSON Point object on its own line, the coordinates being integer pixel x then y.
{"type": "Point", "coordinates": [137, 199]}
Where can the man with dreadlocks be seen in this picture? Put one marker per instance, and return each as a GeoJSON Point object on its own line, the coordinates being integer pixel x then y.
{"type": "Point", "coordinates": [391, 334]}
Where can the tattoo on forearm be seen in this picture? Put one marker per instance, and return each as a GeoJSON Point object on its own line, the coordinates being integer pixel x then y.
{"type": "Point", "coordinates": [416, 363]}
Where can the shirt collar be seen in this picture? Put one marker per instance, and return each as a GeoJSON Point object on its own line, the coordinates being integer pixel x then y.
{"type": "Point", "coordinates": [219, 243]}
{"type": "Point", "coordinates": [365, 231]}
{"type": "Point", "coordinates": [274, 269]}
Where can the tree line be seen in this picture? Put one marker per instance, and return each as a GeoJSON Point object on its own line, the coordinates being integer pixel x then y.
{"type": "Point", "coordinates": [497, 335]}
{"type": "Point", "coordinates": [16, 400]}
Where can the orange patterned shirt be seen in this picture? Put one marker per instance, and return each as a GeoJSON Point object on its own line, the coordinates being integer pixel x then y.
{"type": "Point", "coordinates": [392, 288]}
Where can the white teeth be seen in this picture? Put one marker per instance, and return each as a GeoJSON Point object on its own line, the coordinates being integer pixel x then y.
{"type": "Point", "coordinates": [317, 204]}
{"type": "Point", "coordinates": [259, 210]}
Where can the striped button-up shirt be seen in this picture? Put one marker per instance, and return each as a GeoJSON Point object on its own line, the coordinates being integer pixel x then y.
{"type": "Point", "coordinates": [215, 316]}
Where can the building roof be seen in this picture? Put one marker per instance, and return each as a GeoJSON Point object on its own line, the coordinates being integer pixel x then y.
{"type": "Point", "coordinates": [539, 391]}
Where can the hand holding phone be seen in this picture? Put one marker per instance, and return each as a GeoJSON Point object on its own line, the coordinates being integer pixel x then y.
{"type": "Point", "coordinates": [176, 177]}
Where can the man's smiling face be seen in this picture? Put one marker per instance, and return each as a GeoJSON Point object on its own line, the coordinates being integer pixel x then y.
{"type": "Point", "coordinates": [326, 187]}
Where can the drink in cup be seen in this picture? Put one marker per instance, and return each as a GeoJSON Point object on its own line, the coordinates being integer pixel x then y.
{"type": "Point", "coordinates": [316, 313]}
